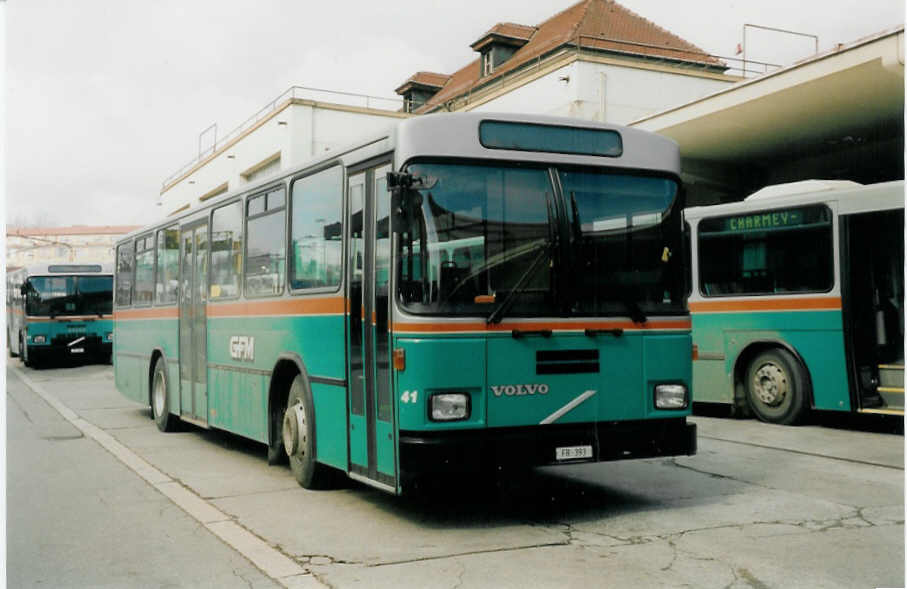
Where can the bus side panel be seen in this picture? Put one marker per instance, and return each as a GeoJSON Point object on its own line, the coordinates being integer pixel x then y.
{"type": "Point", "coordinates": [330, 424]}
{"type": "Point", "coordinates": [239, 374]}
{"type": "Point", "coordinates": [134, 342]}
{"type": "Point", "coordinates": [238, 379]}
{"type": "Point", "coordinates": [711, 380]}
{"type": "Point", "coordinates": [816, 336]}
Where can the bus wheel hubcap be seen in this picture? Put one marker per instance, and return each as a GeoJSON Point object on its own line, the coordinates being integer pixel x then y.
{"type": "Point", "coordinates": [294, 437]}
{"type": "Point", "coordinates": [770, 384]}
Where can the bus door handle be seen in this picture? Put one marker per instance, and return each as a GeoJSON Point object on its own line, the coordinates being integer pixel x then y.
{"type": "Point", "coordinates": [616, 332]}
{"type": "Point", "coordinates": [518, 333]}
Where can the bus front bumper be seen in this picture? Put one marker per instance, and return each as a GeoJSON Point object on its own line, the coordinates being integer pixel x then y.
{"type": "Point", "coordinates": [90, 348]}
{"type": "Point", "coordinates": [471, 450]}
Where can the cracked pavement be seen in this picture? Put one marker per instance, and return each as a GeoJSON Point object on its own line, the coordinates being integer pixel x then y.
{"type": "Point", "coordinates": [759, 506]}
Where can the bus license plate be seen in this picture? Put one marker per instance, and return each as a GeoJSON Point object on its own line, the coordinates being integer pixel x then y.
{"type": "Point", "coordinates": [77, 350]}
{"type": "Point", "coordinates": [573, 452]}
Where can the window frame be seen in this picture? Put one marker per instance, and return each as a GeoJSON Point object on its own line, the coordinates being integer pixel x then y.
{"type": "Point", "coordinates": [135, 266]}
{"type": "Point", "coordinates": [263, 192]}
{"type": "Point", "coordinates": [157, 264]}
{"type": "Point", "coordinates": [240, 291]}
{"type": "Point", "coordinates": [343, 227]}
{"type": "Point", "coordinates": [130, 246]}
{"type": "Point", "coordinates": [831, 254]}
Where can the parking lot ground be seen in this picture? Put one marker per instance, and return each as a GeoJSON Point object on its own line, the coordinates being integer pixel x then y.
{"type": "Point", "coordinates": [758, 506]}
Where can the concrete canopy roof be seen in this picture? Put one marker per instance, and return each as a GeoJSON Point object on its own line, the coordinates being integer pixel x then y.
{"type": "Point", "coordinates": [852, 94]}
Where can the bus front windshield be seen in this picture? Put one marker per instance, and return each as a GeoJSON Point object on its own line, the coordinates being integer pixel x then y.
{"type": "Point", "coordinates": [549, 242]}
{"type": "Point", "coordinates": [69, 295]}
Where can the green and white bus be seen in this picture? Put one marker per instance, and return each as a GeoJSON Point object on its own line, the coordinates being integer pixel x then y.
{"type": "Point", "coordinates": [464, 290]}
{"type": "Point", "coordinates": [57, 311]}
{"type": "Point", "coordinates": [798, 300]}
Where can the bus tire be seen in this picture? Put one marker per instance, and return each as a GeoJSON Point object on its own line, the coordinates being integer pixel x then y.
{"type": "Point", "coordinates": [276, 452]}
{"type": "Point", "coordinates": [160, 406]}
{"type": "Point", "coordinates": [776, 387]}
{"type": "Point", "coordinates": [298, 432]}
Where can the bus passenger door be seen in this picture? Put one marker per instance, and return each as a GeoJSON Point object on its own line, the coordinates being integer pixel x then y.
{"type": "Point", "coordinates": [193, 324]}
{"type": "Point", "coordinates": [371, 418]}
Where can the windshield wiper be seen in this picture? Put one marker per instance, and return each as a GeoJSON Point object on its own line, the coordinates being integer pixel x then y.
{"type": "Point", "coordinates": [497, 314]}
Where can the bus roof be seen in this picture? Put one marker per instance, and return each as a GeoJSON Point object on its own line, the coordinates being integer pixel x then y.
{"type": "Point", "coordinates": [442, 135]}
{"type": "Point", "coordinates": [850, 196]}
{"type": "Point", "coordinates": [801, 187]}
{"type": "Point", "coordinates": [67, 269]}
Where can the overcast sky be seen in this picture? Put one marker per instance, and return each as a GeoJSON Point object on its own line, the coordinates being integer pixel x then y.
{"type": "Point", "coordinates": [106, 98]}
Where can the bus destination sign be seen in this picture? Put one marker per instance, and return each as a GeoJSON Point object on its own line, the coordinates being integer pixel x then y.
{"type": "Point", "coordinates": [773, 220]}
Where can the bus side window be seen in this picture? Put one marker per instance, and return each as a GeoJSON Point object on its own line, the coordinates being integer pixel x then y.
{"type": "Point", "coordinates": [316, 245]}
{"type": "Point", "coordinates": [144, 271]}
{"type": "Point", "coordinates": [265, 269]}
{"type": "Point", "coordinates": [167, 275]}
{"type": "Point", "coordinates": [124, 277]}
{"type": "Point", "coordinates": [226, 251]}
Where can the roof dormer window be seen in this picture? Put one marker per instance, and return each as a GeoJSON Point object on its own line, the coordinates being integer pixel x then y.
{"type": "Point", "coordinates": [419, 88]}
{"type": "Point", "coordinates": [499, 44]}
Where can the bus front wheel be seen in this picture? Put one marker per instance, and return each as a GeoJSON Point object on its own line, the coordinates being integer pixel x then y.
{"type": "Point", "coordinates": [298, 432]}
{"type": "Point", "coordinates": [160, 406]}
{"type": "Point", "coordinates": [776, 387]}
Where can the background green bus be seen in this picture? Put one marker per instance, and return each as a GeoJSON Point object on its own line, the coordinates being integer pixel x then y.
{"type": "Point", "coordinates": [60, 311]}
{"type": "Point", "coordinates": [463, 291]}
{"type": "Point", "coordinates": [798, 300]}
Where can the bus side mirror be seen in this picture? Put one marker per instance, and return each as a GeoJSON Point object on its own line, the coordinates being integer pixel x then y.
{"type": "Point", "coordinates": [399, 180]}
{"type": "Point", "coordinates": [23, 290]}
{"type": "Point", "coordinates": [398, 212]}
{"type": "Point", "coordinates": [404, 203]}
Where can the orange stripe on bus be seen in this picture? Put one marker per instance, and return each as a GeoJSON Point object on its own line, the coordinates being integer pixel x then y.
{"type": "Point", "coordinates": [294, 306]}
{"type": "Point", "coordinates": [768, 304]}
{"type": "Point", "coordinates": [152, 313]}
{"type": "Point", "coordinates": [533, 326]}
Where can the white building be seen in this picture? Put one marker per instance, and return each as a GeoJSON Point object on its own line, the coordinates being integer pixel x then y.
{"type": "Point", "coordinates": [595, 60]}
{"type": "Point", "coordinates": [49, 245]}
{"type": "Point", "coordinates": [298, 125]}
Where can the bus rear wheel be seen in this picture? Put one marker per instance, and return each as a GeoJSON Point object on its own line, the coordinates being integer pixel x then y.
{"type": "Point", "coordinates": [298, 433]}
{"type": "Point", "coordinates": [160, 406]}
{"type": "Point", "coordinates": [776, 387]}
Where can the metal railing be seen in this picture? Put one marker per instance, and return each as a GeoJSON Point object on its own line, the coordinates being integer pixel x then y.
{"type": "Point", "coordinates": [293, 93]}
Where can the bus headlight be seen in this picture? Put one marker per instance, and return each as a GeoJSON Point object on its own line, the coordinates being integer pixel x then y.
{"type": "Point", "coordinates": [449, 406]}
{"type": "Point", "coordinates": [109, 336]}
{"type": "Point", "coordinates": [38, 339]}
{"type": "Point", "coordinates": [671, 396]}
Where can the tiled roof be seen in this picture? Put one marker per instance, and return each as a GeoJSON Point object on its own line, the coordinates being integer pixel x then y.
{"type": "Point", "coordinates": [72, 230]}
{"type": "Point", "coordinates": [505, 30]}
{"type": "Point", "coordinates": [594, 24]}
{"type": "Point", "coordinates": [430, 79]}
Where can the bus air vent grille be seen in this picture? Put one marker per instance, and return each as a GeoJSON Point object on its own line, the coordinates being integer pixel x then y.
{"type": "Point", "coordinates": [566, 361]}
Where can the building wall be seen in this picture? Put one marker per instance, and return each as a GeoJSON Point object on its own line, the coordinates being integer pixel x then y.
{"type": "Point", "coordinates": [576, 90]}
{"type": "Point", "coordinates": [83, 248]}
{"type": "Point", "coordinates": [299, 132]}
